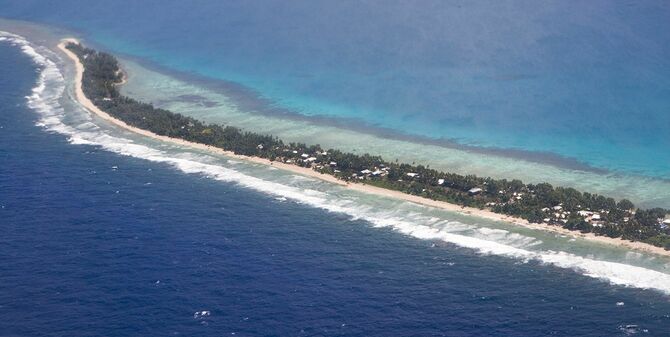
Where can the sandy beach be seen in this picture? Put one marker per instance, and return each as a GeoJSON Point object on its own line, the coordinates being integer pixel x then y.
{"type": "Point", "coordinates": [84, 101]}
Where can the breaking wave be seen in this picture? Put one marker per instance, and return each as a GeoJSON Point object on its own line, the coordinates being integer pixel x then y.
{"type": "Point", "coordinates": [50, 88]}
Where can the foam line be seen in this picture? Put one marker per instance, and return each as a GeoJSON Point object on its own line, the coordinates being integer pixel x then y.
{"type": "Point", "coordinates": [50, 87]}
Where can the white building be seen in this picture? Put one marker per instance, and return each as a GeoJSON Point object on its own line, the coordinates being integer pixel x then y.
{"type": "Point", "coordinates": [585, 213]}
{"type": "Point", "coordinates": [475, 190]}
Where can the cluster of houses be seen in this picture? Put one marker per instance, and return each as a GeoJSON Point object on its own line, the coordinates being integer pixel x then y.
{"type": "Point", "coordinates": [315, 161]}
{"type": "Point", "coordinates": [556, 214]}
{"type": "Point", "coordinates": [380, 171]}
{"type": "Point", "coordinates": [310, 159]}
{"type": "Point", "coordinates": [594, 218]}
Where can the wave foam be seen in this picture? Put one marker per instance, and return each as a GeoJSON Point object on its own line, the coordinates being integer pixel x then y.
{"type": "Point", "coordinates": [51, 86]}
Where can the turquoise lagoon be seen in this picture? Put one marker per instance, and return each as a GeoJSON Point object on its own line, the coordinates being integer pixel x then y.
{"type": "Point", "coordinates": [568, 92]}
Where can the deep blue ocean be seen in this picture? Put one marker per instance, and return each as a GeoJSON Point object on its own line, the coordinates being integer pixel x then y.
{"type": "Point", "coordinates": [98, 244]}
{"type": "Point", "coordinates": [586, 81]}
{"type": "Point", "coordinates": [108, 234]}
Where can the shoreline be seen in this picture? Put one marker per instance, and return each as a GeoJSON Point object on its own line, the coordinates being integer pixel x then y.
{"type": "Point", "coordinates": [368, 189]}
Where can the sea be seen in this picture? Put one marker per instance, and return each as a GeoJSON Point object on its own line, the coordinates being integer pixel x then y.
{"type": "Point", "coordinates": [106, 233]}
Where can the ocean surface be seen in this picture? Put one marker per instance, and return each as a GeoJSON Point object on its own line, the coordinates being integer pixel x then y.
{"type": "Point", "coordinates": [104, 243]}
{"type": "Point", "coordinates": [106, 233]}
{"type": "Point", "coordinates": [570, 92]}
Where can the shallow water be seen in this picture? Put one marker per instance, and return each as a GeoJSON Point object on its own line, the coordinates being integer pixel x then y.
{"type": "Point", "coordinates": [585, 82]}
{"type": "Point", "coordinates": [209, 104]}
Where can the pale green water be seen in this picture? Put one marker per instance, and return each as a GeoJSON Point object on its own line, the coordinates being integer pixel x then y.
{"type": "Point", "coordinates": [163, 90]}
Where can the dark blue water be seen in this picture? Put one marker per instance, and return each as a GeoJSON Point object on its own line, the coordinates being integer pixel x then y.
{"type": "Point", "coordinates": [90, 250]}
{"type": "Point", "coordinates": [587, 80]}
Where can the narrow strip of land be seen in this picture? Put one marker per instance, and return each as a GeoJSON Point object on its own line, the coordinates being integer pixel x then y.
{"type": "Point", "coordinates": [88, 104]}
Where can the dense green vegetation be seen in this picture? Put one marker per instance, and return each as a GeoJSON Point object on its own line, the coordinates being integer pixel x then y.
{"type": "Point", "coordinates": [540, 203]}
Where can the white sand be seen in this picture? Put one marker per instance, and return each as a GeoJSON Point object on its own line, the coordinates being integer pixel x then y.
{"type": "Point", "coordinates": [84, 101]}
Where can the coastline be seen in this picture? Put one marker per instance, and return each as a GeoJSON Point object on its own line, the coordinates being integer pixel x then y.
{"type": "Point", "coordinates": [84, 101]}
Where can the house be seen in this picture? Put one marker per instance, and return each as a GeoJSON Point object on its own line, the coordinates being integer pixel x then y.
{"type": "Point", "coordinates": [585, 213]}
{"type": "Point", "coordinates": [310, 159]}
{"type": "Point", "coordinates": [304, 155]}
{"type": "Point", "coordinates": [475, 191]}
{"type": "Point", "coordinates": [440, 181]}
{"type": "Point", "coordinates": [333, 164]}
{"type": "Point", "coordinates": [377, 172]}
{"type": "Point", "coordinates": [366, 171]}
{"type": "Point", "coordinates": [412, 174]}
